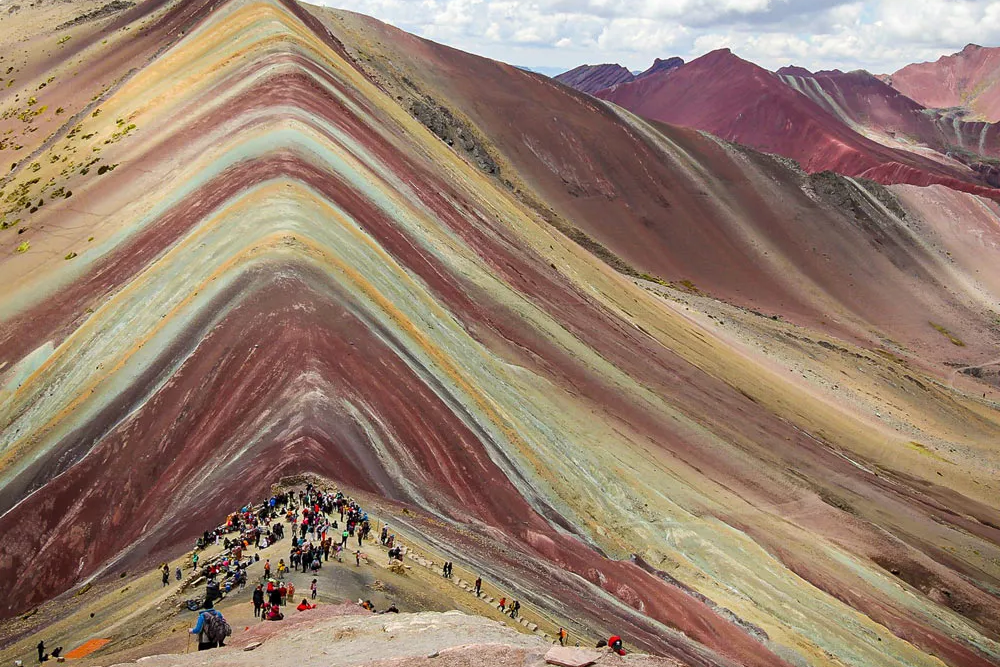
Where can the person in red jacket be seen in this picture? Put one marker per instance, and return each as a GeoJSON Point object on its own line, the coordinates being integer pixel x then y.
{"type": "Point", "coordinates": [615, 644]}
{"type": "Point", "coordinates": [304, 605]}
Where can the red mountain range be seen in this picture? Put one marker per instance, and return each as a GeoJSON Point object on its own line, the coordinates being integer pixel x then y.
{"type": "Point", "coordinates": [852, 123]}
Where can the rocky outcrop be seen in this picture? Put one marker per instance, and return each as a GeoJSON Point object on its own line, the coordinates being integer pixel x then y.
{"type": "Point", "coordinates": [661, 66]}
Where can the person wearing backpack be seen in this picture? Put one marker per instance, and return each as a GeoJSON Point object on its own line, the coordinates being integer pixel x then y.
{"type": "Point", "coordinates": [211, 628]}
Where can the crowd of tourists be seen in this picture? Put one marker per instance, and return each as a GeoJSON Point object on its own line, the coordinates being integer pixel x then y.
{"type": "Point", "coordinates": [321, 524]}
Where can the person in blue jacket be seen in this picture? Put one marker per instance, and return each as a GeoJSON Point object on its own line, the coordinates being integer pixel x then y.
{"type": "Point", "coordinates": [201, 627]}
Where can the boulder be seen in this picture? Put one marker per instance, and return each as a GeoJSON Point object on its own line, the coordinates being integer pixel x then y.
{"type": "Point", "coordinates": [566, 656]}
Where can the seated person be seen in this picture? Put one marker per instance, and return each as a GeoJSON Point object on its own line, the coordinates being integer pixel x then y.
{"type": "Point", "coordinates": [304, 605]}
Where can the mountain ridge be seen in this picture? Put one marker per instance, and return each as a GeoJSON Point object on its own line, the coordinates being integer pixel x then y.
{"type": "Point", "coordinates": [655, 383]}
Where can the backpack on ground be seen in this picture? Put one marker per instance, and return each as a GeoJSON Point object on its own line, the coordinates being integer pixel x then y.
{"type": "Point", "coordinates": [216, 628]}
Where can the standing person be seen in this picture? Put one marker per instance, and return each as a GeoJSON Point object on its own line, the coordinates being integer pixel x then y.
{"type": "Point", "coordinates": [479, 585]}
{"type": "Point", "coordinates": [258, 600]}
{"type": "Point", "coordinates": [357, 559]}
{"type": "Point", "coordinates": [562, 636]}
{"type": "Point", "coordinates": [274, 597]}
{"type": "Point", "coordinates": [312, 588]}
{"type": "Point", "coordinates": [41, 650]}
{"type": "Point", "coordinates": [210, 628]}
{"type": "Point", "coordinates": [503, 605]}
{"type": "Point", "coordinates": [291, 590]}
{"type": "Point", "coordinates": [166, 575]}
{"type": "Point", "coordinates": [267, 568]}
{"type": "Point", "coordinates": [343, 538]}
{"type": "Point", "coordinates": [177, 574]}
{"type": "Point", "coordinates": [194, 561]}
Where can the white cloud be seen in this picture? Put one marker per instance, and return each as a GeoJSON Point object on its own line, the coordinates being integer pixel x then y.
{"type": "Point", "coordinates": [879, 35]}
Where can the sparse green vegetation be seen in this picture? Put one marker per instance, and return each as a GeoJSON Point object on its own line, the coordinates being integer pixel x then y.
{"type": "Point", "coordinates": [947, 334]}
{"type": "Point", "coordinates": [920, 448]}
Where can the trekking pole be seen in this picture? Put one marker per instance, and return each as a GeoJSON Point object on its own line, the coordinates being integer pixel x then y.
{"type": "Point", "coordinates": [188, 649]}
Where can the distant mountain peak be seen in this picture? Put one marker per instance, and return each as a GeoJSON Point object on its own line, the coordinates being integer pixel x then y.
{"type": "Point", "coordinates": [662, 65]}
{"type": "Point", "coordinates": [593, 78]}
{"type": "Point", "coordinates": [793, 70]}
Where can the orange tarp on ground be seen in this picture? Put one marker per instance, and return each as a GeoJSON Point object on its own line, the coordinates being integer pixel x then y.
{"type": "Point", "coordinates": [87, 648]}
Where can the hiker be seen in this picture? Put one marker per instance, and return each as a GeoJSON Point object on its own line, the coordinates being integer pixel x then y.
{"type": "Point", "coordinates": [291, 590]}
{"type": "Point", "coordinates": [177, 574]}
{"type": "Point", "coordinates": [343, 538]}
{"type": "Point", "coordinates": [357, 559]}
{"type": "Point", "coordinates": [503, 605]}
{"type": "Point", "coordinates": [515, 609]}
{"type": "Point", "coordinates": [211, 628]}
{"type": "Point", "coordinates": [283, 591]}
{"type": "Point", "coordinates": [479, 585]}
{"type": "Point", "coordinates": [166, 575]}
{"type": "Point", "coordinates": [267, 568]}
{"type": "Point", "coordinates": [41, 651]}
{"type": "Point", "coordinates": [312, 588]}
{"type": "Point", "coordinates": [615, 644]}
{"type": "Point", "coordinates": [562, 636]}
{"type": "Point", "coordinates": [274, 614]}
{"type": "Point", "coordinates": [304, 605]}
{"type": "Point", "coordinates": [274, 597]}
{"type": "Point", "coordinates": [194, 562]}
{"type": "Point", "coordinates": [258, 600]}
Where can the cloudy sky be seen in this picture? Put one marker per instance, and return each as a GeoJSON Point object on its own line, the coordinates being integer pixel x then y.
{"type": "Point", "coordinates": [878, 35]}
